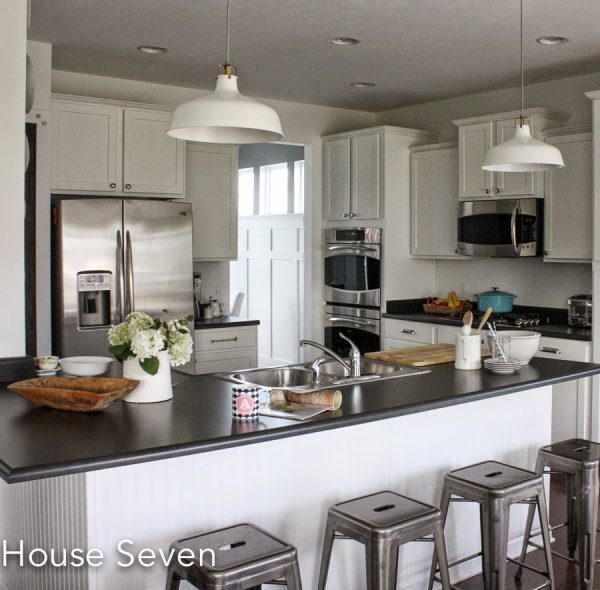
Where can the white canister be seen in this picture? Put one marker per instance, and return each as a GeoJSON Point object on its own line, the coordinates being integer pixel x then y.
{"type": "Point", "coordinates": [468, 352]}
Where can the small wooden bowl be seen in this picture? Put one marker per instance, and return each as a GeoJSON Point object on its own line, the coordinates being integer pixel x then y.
{"type": "Point", "coordinates": [77, 394]}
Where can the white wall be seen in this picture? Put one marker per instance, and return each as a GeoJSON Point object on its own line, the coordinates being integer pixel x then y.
{"type": "Point", "coordinates": [534, 282]}
{"type": "Point", "coordinates": [13, 17]}
{"type": "Point", "coordinates": [303, 124]}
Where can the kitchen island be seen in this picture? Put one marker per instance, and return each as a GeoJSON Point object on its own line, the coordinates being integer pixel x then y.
{"type": "Point", "coordinates": [153, 473]}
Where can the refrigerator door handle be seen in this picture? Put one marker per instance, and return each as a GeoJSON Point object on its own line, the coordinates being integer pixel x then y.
{"type": "Point", "coordinates": [129, 285]}
{"type": "Point", "coordinates": [119, 293]}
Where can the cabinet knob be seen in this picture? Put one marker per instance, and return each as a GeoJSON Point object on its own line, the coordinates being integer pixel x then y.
{"type": "Point", "coordinates": [128, 186]}
{"type": "Point", "coordinates": [546, 253]}
{"type": "Point", "coordinates": [352, 215]}
{"type": "Point", "coordinates": [346, 215]}
{"type": "Point", "coordinates": [113, 185]}
{"type": "Point", "coordinates": [497, 191]}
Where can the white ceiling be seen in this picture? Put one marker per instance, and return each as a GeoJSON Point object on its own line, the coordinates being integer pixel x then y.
{"type": "Point", "coordinates": [414, 50]}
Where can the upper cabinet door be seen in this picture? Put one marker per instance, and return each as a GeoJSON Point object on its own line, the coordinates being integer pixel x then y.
{"type": "Point", "coordinates": [433, 202]}
{"type": "Point", "coordinates": [211, 186]}
{"type": "Point", "coordinates": [336, 178]}
{"type": "Point", "coordinates": [511, 183]}
{"type": "Point", "coordinates": [86, 147]}
{"type": "Point", "coordinates": [568, 219]}
{"type": "Point", "coordinates": [473, 143]}
{"type": "Point", "coordinates": [365, 177]}
{"type": "Point", "coordinates": [153, 162]}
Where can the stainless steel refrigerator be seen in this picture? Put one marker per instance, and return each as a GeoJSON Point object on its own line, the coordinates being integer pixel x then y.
{"type": "Point", "coordinates": [113, 256]}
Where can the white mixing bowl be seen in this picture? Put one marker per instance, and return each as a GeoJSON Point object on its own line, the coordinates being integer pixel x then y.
{"type": "Point", "coordinates": [85, 366]}
{"type": "Point", "coordinates": [518, 344]}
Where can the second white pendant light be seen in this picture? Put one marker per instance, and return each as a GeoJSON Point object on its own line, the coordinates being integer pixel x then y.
{"type": "Point", "coordinates": [522, 153]}
{"type": "Point", "coordinates": [225, 115]}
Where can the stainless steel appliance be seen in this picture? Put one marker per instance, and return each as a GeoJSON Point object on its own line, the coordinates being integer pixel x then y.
{"type": "Point", "coordinates": [352, 266]}
{"type": "Point", "coordinates": [114, 256]}
{"type": "Point", "coordinates": [500, 228]}
{"type": "Point", "coordinates": [580, 311]}
{"type": "Point", "coordinates": [362, 325]}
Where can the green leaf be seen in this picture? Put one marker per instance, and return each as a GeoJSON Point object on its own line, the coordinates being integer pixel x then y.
{"type": "Point", "coordinates": [120, 351]}
{"type": "Point", "coordinates": [150, 365]}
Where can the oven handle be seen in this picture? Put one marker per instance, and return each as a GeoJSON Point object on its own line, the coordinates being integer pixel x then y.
{"type": "Point", "coordinates": [358, 249]}
{"type": "Point", "coordinates": [513, 229]}
{"type": "Point", "coordinates": [343, 322]}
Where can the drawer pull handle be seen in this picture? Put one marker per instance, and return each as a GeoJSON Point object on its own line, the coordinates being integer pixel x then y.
{"type": "Point", "coordinates": [213, 340]}
{"type": "Point", "coordinates": [408, 331]}
{"type": "Point", "coordinates": [550, 349]}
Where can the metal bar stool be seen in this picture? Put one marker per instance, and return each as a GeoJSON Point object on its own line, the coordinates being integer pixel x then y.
{"type": "Point", "coordinates": [382, 522]}
{"type": "Point", "coordinates": [245, 557]}
{"type": "Point", "coordinates": [495, 487]}
{"type": "Point", "coordinates": [578, 460]}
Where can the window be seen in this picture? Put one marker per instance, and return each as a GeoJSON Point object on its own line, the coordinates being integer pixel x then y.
{"type": "Point", "coordinates": [272, 189]}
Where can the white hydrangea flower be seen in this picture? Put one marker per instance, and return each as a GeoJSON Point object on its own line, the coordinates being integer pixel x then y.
{"type": "Point", "coordinates": [119, 334]}
{"type": "Point", "coordinates": [147, 343]}
{"type": "Point", "coordinates": [180, 349]}
{"type": "Point", "coordinates": [139, 320]}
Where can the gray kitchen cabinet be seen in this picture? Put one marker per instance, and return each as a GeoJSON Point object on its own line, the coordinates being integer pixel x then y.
{"type": "Point", "coordinates": [211, 187]}
{"type": "Point", "coordinates": [477, 135]}
{"type": "Point", "coordinates": [100, 147]}
{"type": "Point", "coordinates": [572, 400]}
{"type": "Point", "coordinates": [352, 175]}
{"type": "Point", "coordinates": [434, 200]}
{"type": "Point", "coordinates": [568, 223]}
{"type": "Point", "coordinates": [405, 334]}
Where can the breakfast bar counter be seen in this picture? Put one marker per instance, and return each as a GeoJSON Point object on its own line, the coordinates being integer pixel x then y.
{"type": "Point", "coordinates": [151, 473]}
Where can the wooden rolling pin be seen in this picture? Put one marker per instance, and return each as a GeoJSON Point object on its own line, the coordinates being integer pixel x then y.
{"type": "Point", "coordinates": [331, 399]}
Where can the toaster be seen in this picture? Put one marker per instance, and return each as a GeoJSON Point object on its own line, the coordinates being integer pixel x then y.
{"type": "Point", "coordinates": [580, 311]}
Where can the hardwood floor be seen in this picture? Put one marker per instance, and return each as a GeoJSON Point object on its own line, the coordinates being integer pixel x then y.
{"type": "Point", "coordinates": [566, 575]}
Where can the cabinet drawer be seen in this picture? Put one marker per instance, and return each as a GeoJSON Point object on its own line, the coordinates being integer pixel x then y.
{"type": "Point", "coordinates": [412, 331]}
{"type": "Point", "coordinates": [225, 338]}
{"type": "Point", "coordinates": [566, 350]}
{"type": "Point", "coordinates": [234, 360]}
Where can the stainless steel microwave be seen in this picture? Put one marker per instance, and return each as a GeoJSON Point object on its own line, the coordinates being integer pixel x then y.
{"type": "Point", "coordinates": [500, 228]}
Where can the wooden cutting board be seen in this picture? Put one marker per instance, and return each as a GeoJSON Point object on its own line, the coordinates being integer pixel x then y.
{"type": "Point", "coordinates": [420, 356]}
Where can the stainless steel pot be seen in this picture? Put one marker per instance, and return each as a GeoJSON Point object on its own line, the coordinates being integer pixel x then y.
{"type": "Point", "coordinates": [499, 301]}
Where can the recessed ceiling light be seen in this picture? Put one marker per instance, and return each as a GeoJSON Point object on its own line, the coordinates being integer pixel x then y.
{"type": "Point", "coordinates": [151, 49]}
{"type": "Point", "coordinates": [344, 41]}
{"type": "Point", "coordinates": [362, 84]}
{"type": "Point", "coordinates": [552, 40]}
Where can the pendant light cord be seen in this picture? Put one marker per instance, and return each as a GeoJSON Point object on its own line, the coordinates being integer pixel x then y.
{"type": "Point", "coordinates": [522, 118]}
{"type": "Point", "coordinates": [227, 45]}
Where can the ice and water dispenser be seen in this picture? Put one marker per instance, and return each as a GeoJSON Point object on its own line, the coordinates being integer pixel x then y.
{"type": "Point", "coordinates": [94, 288]}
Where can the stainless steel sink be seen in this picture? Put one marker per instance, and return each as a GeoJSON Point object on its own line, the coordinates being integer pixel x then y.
{"type": "Point", "coordinates": [300, 377]}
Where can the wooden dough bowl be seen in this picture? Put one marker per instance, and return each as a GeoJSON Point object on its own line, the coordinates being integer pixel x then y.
{"type": "Point", "coordinates": [77, 394]}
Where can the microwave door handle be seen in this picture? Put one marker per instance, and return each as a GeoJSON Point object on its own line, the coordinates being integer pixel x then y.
{"type": "Point", "coordinates": [129, 286]}
{"type": "Point", "coordinates": [513, 229]}
{"type": "Point", "coordinates": [119, 289]}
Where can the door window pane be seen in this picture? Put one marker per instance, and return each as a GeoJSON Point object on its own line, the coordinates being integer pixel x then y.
{"type": "Point", "coordinates": [246, 191]}
{"type": "Point", "coordinates": [273, 189]}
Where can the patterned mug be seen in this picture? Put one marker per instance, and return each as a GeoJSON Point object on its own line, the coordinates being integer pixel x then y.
{"type": "Point", "coordinates": [245, 403]}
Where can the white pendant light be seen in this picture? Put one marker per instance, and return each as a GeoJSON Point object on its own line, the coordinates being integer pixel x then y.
{"type": "Point", "coordinates": [225, 116]}
{"type": "Point", "coordinates": [522, 153]}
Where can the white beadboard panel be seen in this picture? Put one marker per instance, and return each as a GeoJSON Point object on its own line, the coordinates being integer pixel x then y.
{"type": "Point", "coordinates": [259, 302]}
{"type": "Point", "coordinates": [157, 502]}
{"type": "Point", "coordinates": [48, 513]}
{"type": "Point", "coordinates": [285, 307]}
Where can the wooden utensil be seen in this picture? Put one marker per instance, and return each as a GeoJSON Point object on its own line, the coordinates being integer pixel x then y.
{"type": "Point", "coordinates": [468, 319]}
{"type": "Point", "coordinates": [420, 356]}
{"type": "Point", "coordinates": [484, 319]}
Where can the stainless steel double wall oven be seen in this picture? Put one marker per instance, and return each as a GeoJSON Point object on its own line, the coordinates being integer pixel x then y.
{"type": "Point", "coordinates": [352, 287]}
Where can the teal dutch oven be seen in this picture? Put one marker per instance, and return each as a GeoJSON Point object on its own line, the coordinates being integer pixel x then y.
{"type": "Point", "coordinates": [499, 301]}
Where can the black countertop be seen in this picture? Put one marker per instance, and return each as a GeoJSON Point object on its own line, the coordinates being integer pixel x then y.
{"type": "Point", "coordinates": [225, 321]}
{"type": "Point", "coordinates": [550, 330]}
{"type": "Point", "coordinates": [38, 442]}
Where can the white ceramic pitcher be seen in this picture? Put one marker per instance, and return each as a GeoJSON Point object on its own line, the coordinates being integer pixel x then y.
{"type": "Point", "coordinates": [468, 352]}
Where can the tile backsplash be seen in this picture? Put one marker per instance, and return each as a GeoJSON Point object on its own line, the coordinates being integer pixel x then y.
{"type": "Point", "coordinates": [215, 281]}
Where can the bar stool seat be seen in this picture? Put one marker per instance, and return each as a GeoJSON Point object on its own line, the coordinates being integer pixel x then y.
{"type": "Point", "coordinates": [579, 460]}
{"type": "Point", "coordinates": [245, 556]}
{"type": "Point", "coordinates": [495, 487]}
{"type": "Point", "coordinates": [382, 522]}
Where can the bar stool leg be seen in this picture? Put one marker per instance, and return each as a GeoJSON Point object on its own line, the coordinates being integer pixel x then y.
{"type": "Point", "coordinates": [326, 553]}
{"type": "Point", "coordinates": [440, 551]}
{"type": "Point", "coordinates": [444, 504]}
{"type": "Point", "coordinates": [587, 515]}
{"type": "Point", "coordinates": [543, 514]}
{"type": "Point", "coordinates": [494, 543]}
{"type": "Point", "coordinates": [571, 515]}
{"type": "Point", "coordinates": [382, 565]}
{"type": "Point", "coordinates": [292, 577]}
{"type": "Point", "coordinates": [173, 580]}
